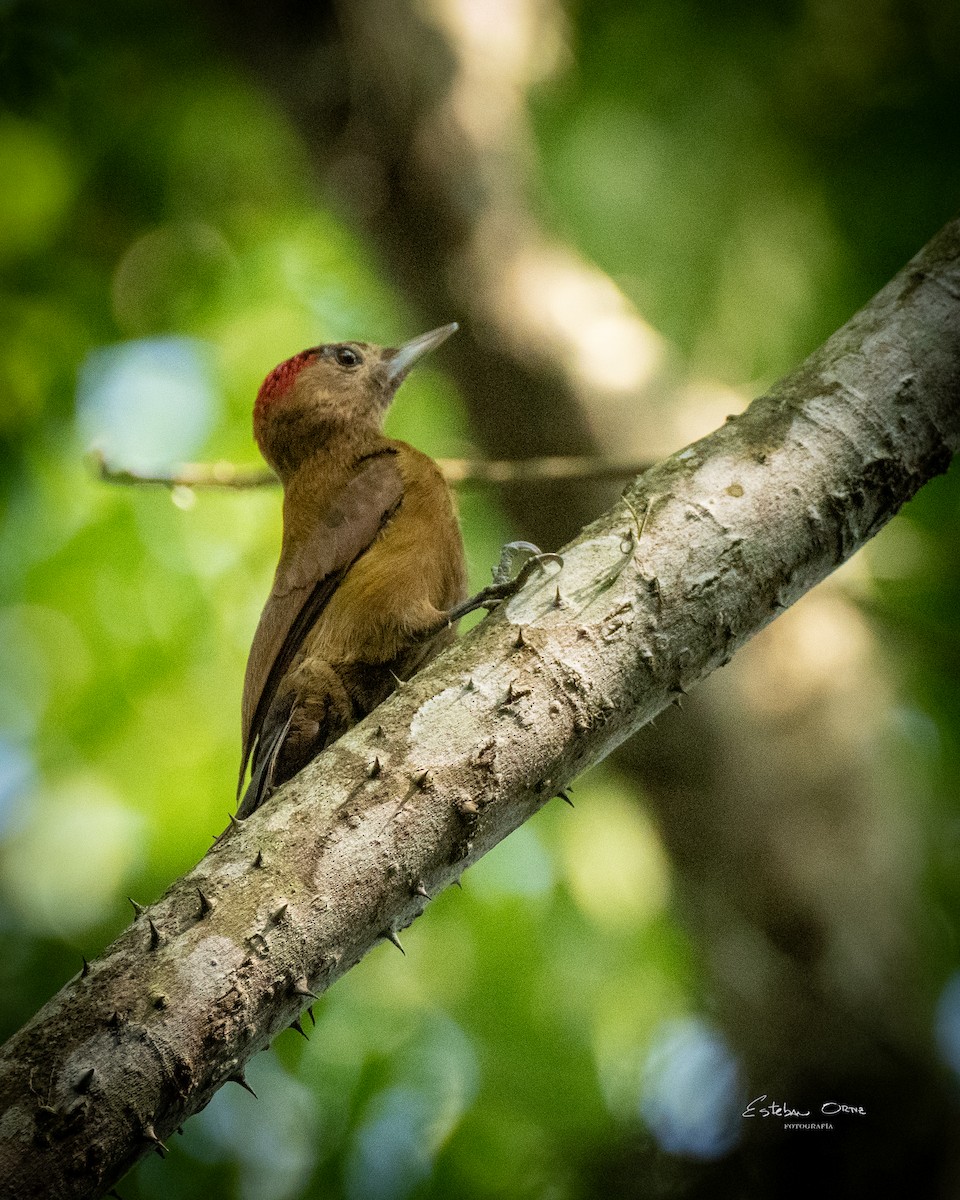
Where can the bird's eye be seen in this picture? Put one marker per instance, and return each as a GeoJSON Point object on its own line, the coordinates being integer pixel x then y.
{"type": "Point", "coordinates": [347, 357]}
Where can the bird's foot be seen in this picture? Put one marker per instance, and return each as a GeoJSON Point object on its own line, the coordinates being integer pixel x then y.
{"type": "Point", "coordinates": [518, 562]}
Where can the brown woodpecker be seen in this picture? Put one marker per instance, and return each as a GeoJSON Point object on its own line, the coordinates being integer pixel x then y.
{"type": "Point", "coordinates": [371, 574]}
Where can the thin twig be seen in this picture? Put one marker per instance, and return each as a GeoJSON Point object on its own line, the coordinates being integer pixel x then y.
{"type": "Point", "coordinates": [461, 472]}
{"type": "Point", "coordinates": [464, 471]}
{"type": "Point", "coordinates": [190, 475]}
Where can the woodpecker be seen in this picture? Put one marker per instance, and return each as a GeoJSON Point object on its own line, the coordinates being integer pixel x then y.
{"type": "Point", "coordinates": [371, 578]}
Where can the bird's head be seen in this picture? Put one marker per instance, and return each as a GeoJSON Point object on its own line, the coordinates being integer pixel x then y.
{"type": "Point", "coordinates": [326, 392]}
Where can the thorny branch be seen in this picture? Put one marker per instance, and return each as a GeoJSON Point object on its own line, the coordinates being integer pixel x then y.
{"type": "Point", "coordinates": [700, 554]}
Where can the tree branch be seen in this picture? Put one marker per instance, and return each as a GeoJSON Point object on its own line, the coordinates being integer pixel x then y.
{"type": "Point", "coordinates": [697, 557]}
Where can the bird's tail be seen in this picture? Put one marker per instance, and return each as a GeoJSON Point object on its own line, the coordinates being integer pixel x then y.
{"type": "Point", "coordinates": [264, 768]}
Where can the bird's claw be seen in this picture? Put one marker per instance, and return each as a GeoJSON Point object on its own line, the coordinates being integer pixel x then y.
{"type": "Point", "coordinates": [504, 586]}
{"type": "Point", "coordinates": [514, 557]}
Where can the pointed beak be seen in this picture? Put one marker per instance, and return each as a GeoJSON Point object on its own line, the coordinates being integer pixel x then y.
{"type": "Point", "coordinates": [400, 362]}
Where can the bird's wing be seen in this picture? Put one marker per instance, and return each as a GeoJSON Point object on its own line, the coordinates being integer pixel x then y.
{"type": "Point", "coordinates": [305, 582]}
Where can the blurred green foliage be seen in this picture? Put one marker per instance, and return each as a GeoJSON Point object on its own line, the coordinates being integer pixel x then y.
{"type": "Point", "coordinates": [749, 176]}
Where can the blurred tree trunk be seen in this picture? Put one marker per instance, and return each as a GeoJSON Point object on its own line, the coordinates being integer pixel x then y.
{"type": "Point", "coordinates": [797, 867]}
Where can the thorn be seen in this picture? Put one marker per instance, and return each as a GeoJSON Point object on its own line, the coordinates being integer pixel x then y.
{"type": "Point", "coordinates": [422, 779]}
{"type": "Point", "coordinates": [206, 905]}
{"type": "Point", "coordinates": [138, 909]}
{"type": "Point", "coordinates": [398, 681]}
{"type": "Point", "coordinates": [85, 1080]}
{"type": "Point", "coordinates": [469, 808]}
{"type": "Point", "coordinates": [159, 1000]}
{"type": "Point", "coordinates": [510, 694]}
{"type": "Point", "coordinates": [299, 1028]}
{"type": "Point", "coordinates": [154, 935]}
{"type": "Point", "coordinates": [115, 1020]}
{"type": "Point", "coordinates": [374, 768]}
{"type": "Point", "coordinates": [469, 685]}
{"type": "Point", "coordinates": [150, 1135]}
{"type": "Point", "coordinates": [85, 969]}
{"type": "Point", "coordinates": [391, 936]}
{"type": "Point", "coordinates": [258, 861]}
{"type": "Point", "coordinates": [519, 643]}
{"type": "Point", "coordinates": [236, 821]}
{"type": "Point", "coordinates": [563, 795]}
{"type": "Point", "coordinates": [313, 1019]}
{"type": "Point", "coordinates": [378, 732]}
{"type": "Point", "coordinates": [678, 702]}
{"type": "Point", "coordinates": [301, 988]}
{"type": "Point", "coordinates": [239, 1077]}
{"type": "Point", "coordinates": [557, 599]}
{"type": "Point", "coordinates": [458, 883]}
{"type": "Point", "coordinates": [179, 1129]}
{"type": "Point", "coordinates": [278, 914]}
{"type": "Point", "coordinates": [420, 890]}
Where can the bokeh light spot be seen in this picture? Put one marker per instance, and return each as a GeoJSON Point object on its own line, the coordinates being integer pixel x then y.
{"type": "Point", "coordinates": [690, 1088]}
{"type": "Point", "coordinates": [32, 208]}
{"type": "Point", "coordinates": [614, 862]}
{"type": "Point", "coordinates": [17, 774]}
{"type": "Point", "coordinates": [148, 403]}
{"type": "Point", "coordinates": [64, 869]}
{"type": "Point", "coordinates": [518, 866]}
{"type": "Point", "coordinates": [947, 1023]}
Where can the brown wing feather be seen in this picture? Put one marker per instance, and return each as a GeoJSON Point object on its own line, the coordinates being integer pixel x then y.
{"type": "Point", "coordinates": [306, 577]}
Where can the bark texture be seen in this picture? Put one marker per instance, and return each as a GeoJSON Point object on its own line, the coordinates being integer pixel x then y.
{"type": "Point", "coordinates": [700, 553]}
